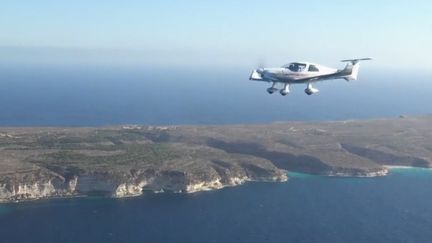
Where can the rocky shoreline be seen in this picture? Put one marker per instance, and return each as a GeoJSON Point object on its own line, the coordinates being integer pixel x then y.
{"type": "Point", "coordinates": [17, 192]}
{"type": "Point", "coordinates": [127, 161]}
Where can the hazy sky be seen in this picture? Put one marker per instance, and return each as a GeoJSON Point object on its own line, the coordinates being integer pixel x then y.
{"type": "Point", "coordinates": [216, 32]}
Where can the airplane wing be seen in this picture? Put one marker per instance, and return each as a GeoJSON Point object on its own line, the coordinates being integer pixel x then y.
{"type": "Point", "coordinates": [338, 75]}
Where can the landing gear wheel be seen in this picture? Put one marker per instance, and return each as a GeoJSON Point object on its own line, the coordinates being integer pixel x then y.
{"type": "Point", "coordinates": [284, 92]}
{"type": "Point", "coordinates": [271, 90]}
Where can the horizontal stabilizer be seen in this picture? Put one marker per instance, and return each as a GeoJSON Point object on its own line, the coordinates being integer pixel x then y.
{"type": "Point", "coordinates": [356, 60]}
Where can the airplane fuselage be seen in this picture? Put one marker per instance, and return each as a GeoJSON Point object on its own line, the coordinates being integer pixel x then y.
{"type": "Point", "coordinates": [306, 73]}
{"type": "Point", "coordinates": [286, 76]}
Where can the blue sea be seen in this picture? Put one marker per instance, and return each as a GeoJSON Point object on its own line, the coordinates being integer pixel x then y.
{"type": "Point", "coordinates": [88, 96]}
{"type": "Point", "coordinates": [396, 208]}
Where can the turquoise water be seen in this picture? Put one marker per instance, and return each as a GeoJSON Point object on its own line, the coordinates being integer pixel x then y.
{"type": "Point", "coordinates": [412, 172]}
{"type": "Point", "coordinates": [396, 208]}
{"type": "Point", "coordinates": [298, 175]}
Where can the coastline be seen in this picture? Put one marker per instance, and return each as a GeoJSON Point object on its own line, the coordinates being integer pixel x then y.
{"type": "Point", "coordinates": [403, 167]}
{"type": "Point", "coordinates": [206, 187]}
{"type": "Point", "coordinates": [127, 161]}
{"type": "Point", "coordinates": [393, 167]}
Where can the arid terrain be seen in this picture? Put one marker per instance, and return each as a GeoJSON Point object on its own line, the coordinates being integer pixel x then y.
{"type": "Point", "coordinates": [128, 160]}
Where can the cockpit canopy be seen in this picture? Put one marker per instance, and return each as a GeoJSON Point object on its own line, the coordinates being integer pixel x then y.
{"type": "Point", "coordinates": [300, 67]}
{"type": "Point", "coordinates": [296, 67]}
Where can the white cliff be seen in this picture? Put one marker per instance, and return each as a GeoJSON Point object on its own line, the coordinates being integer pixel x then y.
{"type": "Point", "coordinates": [35, 190]}
{"type": "Point", "coordinates": [204, 186]}
{"type": "Point", "coordinates": [129, 189]}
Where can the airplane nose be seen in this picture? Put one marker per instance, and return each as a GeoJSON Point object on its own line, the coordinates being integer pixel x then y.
{"type": "Point", "coordinates": [255, 75]}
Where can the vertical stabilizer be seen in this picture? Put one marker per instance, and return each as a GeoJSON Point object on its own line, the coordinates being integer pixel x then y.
{"type": "Point", "coordinates": [352, 68]}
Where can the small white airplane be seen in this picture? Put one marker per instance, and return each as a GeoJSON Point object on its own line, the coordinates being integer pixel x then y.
{"type": "Point", "coordinates": [305, 73]}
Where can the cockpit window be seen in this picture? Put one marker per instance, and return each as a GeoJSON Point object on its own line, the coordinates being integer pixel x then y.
{"type": "Point", "coordinates": [297, 67]}
{"type": "Point", "coordinates": [313, 68]}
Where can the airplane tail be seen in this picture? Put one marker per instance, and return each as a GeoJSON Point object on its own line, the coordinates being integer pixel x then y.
{"type": "Point", "coordinates": [352, 68]}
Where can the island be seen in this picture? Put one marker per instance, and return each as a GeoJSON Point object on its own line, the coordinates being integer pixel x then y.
{"type": "Point", "coordinates": [129, 160]}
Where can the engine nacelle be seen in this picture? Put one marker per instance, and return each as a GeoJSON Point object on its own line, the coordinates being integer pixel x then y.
{"type": "Point", "coordinates": [311, 91]}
